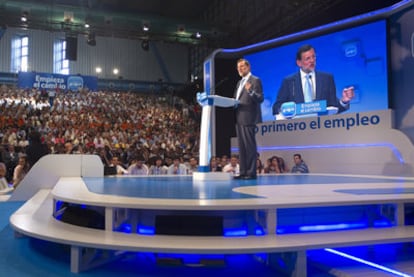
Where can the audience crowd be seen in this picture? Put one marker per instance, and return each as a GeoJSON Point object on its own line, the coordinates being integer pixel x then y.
{"type": "Point", "coordinates": [134, 133]}
{"type": "Point", "coordinates": [130, 126]}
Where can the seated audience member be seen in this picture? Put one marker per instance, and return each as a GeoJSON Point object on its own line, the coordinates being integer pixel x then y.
{"type": "Point", "coordinates": [119, 169]}
{"type": "Point", "coordinates": [177, 168]}
{"type": "Point", "coordinates": [272, 166]}
{"type": "Point", "coordinates": [214, 165]}
{"type": "Point", "coordinates": [68, 147]}
{"type": "Point", "coordinates": [168, 161]}
{"type": "Point", "coordinates": [259, 166]}
{"type": "Point", "coordinates": [223, 161]}
{"type": "Point", "coordinates": [138, 167]}
{"type": "Point", "coordinates": [20, 171]}
{"type": "Point", "coordinates": [158, 168]}
{"type": "Point", "coordinates": [233, 167]}
{"type": "Point", "coordinates": [193, 165]}
{"type": "Point", "coordinates": [3, 181]}
{"type": "Point", "coordinates": [267, 165]}
{"type": "Point", "coordinates": [300, 166]}
{"type": "Point", "coordinates": [282, 165]}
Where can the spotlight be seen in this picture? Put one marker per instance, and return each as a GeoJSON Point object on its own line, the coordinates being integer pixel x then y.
{"type": "Point", "coordinates": [91, 39]}
{"type": "Point", "coordinates": [145, 45]}
{"type": "Point", "coordinates": [87, 22]}
{"type": "Point", "coordinates": [196, 35]}
{"type": "Point", "coordinates": [23, 18]}
{"type": "Point", "coordinates": [145, 27]}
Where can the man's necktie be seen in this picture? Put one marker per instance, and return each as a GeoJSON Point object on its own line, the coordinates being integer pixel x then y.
{"type": "Point", "coordinates": [240, 88]}
{"type": "Point", "coordinates": [307, 92]}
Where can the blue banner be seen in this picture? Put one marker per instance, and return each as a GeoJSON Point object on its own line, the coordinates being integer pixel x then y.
{"type": "Point", "coordinates": [49, 81]}
{"type": "Point", "coordinates": [291, 109]}
{"type": "Point", "coordinates": [312, 107]}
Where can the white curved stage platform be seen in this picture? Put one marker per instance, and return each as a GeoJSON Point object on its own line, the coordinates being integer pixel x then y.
{"type": "Point", "coordinates": [254, 203]}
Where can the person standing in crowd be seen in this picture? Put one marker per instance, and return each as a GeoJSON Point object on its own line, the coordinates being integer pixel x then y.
{"type": "Point", "coordinates": [36, 149]}
{"type": "Point", "coordinates": [248, 113]}
{"type": "Point", "coordinates": [51, 95]}
{"type": "Point", "coordinates": [300, 166]}
{"type": "Point", "coordinates": [309, 85]}
{"type": "Point", "coordinates": [11, 158]}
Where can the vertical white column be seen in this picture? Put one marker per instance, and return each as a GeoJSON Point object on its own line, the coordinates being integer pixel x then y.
{"type": "Point", "coordinates": [109, 218]}
{"type": "Point", "coordinates": [204, 152]}
{"type": "Point", "coordinates": [400, 214]}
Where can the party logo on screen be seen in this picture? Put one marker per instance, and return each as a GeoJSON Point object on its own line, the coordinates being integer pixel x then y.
{"type": "Point", "coordinates": [288, 109]}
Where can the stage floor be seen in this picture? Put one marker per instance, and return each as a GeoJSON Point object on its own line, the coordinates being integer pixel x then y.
{"type": "Point", "coordinates": [267, 191]}
{"type": "Point", "coordinates": [183, 187]}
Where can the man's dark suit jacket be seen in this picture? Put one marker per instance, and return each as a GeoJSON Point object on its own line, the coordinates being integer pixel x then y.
{"type": "Point", "coordinates": [291, 90]}
{"type": "Point", "coordinates": [248, 111]}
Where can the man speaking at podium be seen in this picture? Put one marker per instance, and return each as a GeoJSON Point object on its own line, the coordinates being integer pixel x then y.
{"type": "Point", "coordinates": [248, 113]}
{"type": "Point", "coordinates": [309, 85]}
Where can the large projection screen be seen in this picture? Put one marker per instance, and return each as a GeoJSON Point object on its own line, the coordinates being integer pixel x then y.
{"type": "Point", "coordinates": [355, 56]}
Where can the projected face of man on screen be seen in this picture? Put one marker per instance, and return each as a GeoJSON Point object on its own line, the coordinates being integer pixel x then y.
{"type": "Point", "coordinates": [307, 60]}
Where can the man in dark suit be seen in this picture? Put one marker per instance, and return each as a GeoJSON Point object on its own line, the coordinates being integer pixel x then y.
{"type": "Point", "coordinates": [322, 84]}
{"type": "Point", "coordinates": [248, 113]}
{"type": "Point", "coordinates": [36, 149]}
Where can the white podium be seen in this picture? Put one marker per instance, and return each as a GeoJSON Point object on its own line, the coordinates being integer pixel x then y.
{"type": "Point", "coordinates": [207, 102]}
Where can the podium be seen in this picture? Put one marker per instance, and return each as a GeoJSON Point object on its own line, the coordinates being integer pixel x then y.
{"type": "Point", "coordinates": [208, 102]}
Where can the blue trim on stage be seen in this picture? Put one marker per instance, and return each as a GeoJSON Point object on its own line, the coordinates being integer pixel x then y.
{"type": "Point", "coordinates": [203, 168]}
{"type": "Point", "coordinates": [392, 147]}
{"type": "Point", "coordinates": [376, 191]}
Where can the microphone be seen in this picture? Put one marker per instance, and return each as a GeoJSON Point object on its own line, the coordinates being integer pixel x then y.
{"type": "Point", "coordinates": [219, 83]}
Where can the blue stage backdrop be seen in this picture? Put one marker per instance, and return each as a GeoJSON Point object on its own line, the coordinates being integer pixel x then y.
{"type": "Point", "coordinates": [50, 81]}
